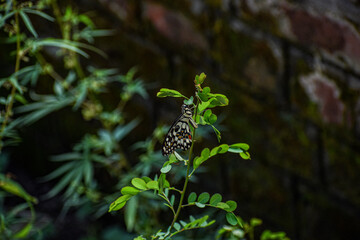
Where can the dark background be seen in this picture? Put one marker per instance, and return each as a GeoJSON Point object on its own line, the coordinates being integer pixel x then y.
{"type": "Point", "coordinates": [291, 70]}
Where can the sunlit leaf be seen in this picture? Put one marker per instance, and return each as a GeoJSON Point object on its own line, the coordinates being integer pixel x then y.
{"type": "Point", "coordinates": [153, 185]}
{"type": "Point", "coordinates": [165, 92]}
{"type": "Point", "coordinates": [202, 106]}
{"type": "Point", "coordinates": [129, 191]}
{"type": "Point", "coordinates": [139, 183]}
{"type": "Point", "coordinates": [14, 188]}
{"type": "Point", "coordinates": [119, 203]}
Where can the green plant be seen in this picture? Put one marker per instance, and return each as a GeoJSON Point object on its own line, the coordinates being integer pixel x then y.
{"type": "Point", "coordinates": [71, 85]}
{"type": "Point", "coordinates": [13, 224]}
{"type": "Point", "coordinates": [204, 101]}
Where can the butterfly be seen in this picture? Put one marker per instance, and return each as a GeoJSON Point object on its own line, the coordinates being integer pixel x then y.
{"type": "Point", "coordinates": [179, 134]}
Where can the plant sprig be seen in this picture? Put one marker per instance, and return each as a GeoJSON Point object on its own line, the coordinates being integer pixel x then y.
{"type": "Point", "coordinates": [203, 115]}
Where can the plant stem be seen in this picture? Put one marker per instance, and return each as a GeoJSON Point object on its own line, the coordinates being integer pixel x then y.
{"type": "Point", "coordinates": [8, 111]}
{"type": "Point", "coordinates": [187, 175]}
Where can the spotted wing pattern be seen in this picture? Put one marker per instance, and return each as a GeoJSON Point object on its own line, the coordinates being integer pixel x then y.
{"type": "Point", "coordinates": [179, 135]}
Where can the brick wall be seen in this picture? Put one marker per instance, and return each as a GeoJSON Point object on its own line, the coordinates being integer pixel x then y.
{"type": "Point", "coordinates": [291, 70]}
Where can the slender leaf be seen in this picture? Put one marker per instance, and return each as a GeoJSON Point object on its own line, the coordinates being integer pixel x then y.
{"type": "Point", "coordinates": [28, 23]}
{"type": "Point", "coordinates": [60, 43]}
{"type": "Point", "coordinates": [165, 92]}
{"type": "Point", "coordinates": [39, 13]}
{"type": "Point", "coordinates": [130, 213]}
{"type": "Point", "coordinates": [122, 130]}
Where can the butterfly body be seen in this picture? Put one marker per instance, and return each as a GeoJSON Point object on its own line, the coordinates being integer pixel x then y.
{"type": "Point", "coordinates": [179, 134]}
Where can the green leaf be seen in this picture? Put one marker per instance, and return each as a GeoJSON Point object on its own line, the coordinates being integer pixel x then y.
{"type": "Point", "coordinates": [129, 191]}
{"type": "Point", "coordinates": [207, 114]}
{"type": "Point", "coordinates": [223, 148]}
{"type": "Point", "coordinates": [177, 226]}
{"type": "Point", "coordinates": [255, 222]}
{"type": "Point", "coordinates": [172, 158]}
{"type": "Point", "coordinates": [203, 95]}
{"type": "Point", "coordinates": [23, 233]}
{"type": "Point", "coordinates": [146, 179]}
{"type": "Point", "coordinates": [232, 206]}
{"type": "Point", "coordinates": [189, 101]}
{"type": "Point", "coordinates": [139, 238]}
{"type": "Point", "coordinates": [192, 197]}
{"type": "Point", "coordinates": [218, 100]}
{"type": "Point", "coordinates": [60, 43]}
{"type": "Point", "coordinates": [222, 205]}
{"type": "Point", "coordinates": [203, 197]}
{"type": "Point", "coordinates": [212, 119]}
{"type": "Point", "coordinates": [6, 16]}
{"type": "Point", "coordinates": [166, 169]}
{"type": "Point", "coordinates": [39, 13]}
{"type": "Point", "coordinates": [153, 185]}
{"type": "Point", "coordinates": [199, 79]}
{"type": "Point", "coordinates": [245, 155]}
{"type": "Point", "coordinates": [122, 130]}
{"type": "Point", "coordinates": [200, 205]}
{"type": "Point", "coordinates": [217, 132]}
{"type": "Point", "coordinates": [177, 156]}
{"type": "Point", "coordinates": [202, 106]}
{"type": "Point", "coordinates": [28, 23]}
{"type": "Point", "coordinates": [231, 218]}
{"type": "Point", "coordinates": [165, 92]}
{"type": "Point", "coordinates": [215, 199]}
{"type": "Point", "coordinates": [119, 203]}
{"type": "Point", "coordinates": [183, 223]}
{"type": "Point", "coordinates": [139, 183]}
{"type": "Point", "coordinates": [205, 154]}
{"type": "Point", "coordinates": [243, 146]}
{"type": "Point", "coordinates": [130, 213]}
{"type": "Point", "coordinates": [202, 77]}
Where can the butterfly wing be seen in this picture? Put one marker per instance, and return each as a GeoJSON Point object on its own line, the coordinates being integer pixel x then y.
{"type": "Point", "coordinates": [178, 136]}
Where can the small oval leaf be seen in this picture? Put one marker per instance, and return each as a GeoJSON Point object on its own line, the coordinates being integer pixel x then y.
{"type": "Point", "coordinates": [232, 206]}
{"type": "Point", "coordinates": [215, 199]}
{"type": "Point", "coordinates": [177, 226]}
{"type": "Point", "coordinates": [192, 197]}
{"type": "Point", "coordinates": [222, 205]}
{"type": "Point", "coordinates": [231, 218]}
{"type": "Point", "coordinates": [139, 183]}
{"type": "Point", "coordinates": [129, 191]}
{"type": "Point", "coordinates": [153, 185]}
{"type": "Point", "coordinates": [203, 197]}
{"type": "Point", "coordinates": [166, 169]}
